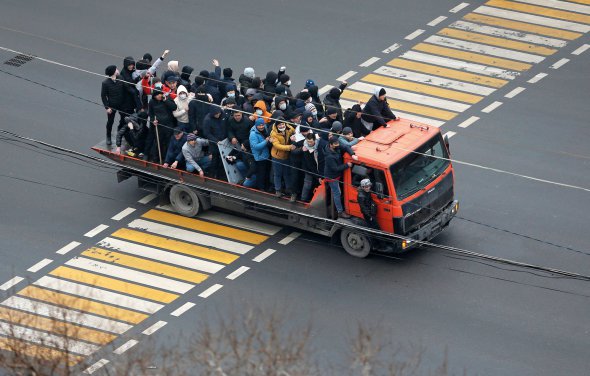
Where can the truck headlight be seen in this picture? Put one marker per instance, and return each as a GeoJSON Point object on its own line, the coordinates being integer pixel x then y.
{"type": "Point", "coordinates": [455, 208]}
{"type": "Point", "coordinates": [406, 243]}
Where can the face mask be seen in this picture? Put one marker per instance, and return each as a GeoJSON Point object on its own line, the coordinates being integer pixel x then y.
{"type": "Point", "coordinates": [259, 112]}
{"type": "Point", "coordinates": [182, 96]}
{"type": "Point", "coordinates": [231, 95]}
{"type": "Point", "coordinates": [281, 129]}
{"type": "Point", "coordinates": [288, 83]}
{"type": "Point", "coordinates": [314, 113]}
{"type": "Point", "coordinates": [282, 106]}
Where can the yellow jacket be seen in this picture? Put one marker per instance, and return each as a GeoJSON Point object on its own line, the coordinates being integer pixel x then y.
{"type": "Point", "coordinates": [281, 146]}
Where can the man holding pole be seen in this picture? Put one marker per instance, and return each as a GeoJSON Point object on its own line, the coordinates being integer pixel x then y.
{"type": "Point", "coordinates": [162, 121]}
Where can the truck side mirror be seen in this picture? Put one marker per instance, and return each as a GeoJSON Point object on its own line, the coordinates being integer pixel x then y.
{"type": "Point", "coordinates": [379, 190]}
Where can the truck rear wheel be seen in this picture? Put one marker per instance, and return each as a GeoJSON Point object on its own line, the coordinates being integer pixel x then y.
{"type": "Point", "coordinates": [184, 200]}
{"type": "Point", "coordinates": [355, 243]}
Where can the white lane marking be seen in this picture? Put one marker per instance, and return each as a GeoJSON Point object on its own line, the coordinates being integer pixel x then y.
{"type": "Point", "coordinates": [126, 346]}
{"type": "Point", "coordinates": [147, 198]}
{"type": "Point", "coordinates": [391, 48]}
{"type": "Point", "coordinates": [210, 291]}
{"type": "Point", "coordinates": [581, 49]}
{"type": "Point", "coordinates": [96, 231]}
{"type": "Point", "coordinates": [515, 92]}
{"type": "Point", "coordinates": [459, 7]}
{"type": "Point", "coordinates": [427, 79]}
{"type": "Point", "coordinates": [66, 248]}
{"type": "Point", "coordinates": [238, 272]}
{"type": "Point", "coordinates": [40, 265]}
{"type": "Point", "coordinates": [508, 34]}
{"type": "Point", "coordinates": [11, 282]}
{"type": "Point", "coordinates": [370, 62]}
{"type": "Point", "coordinates": [559, 64]}
{"type": "Point", "coordinates": [324, 89]}
{"type": "Point", "coordinates": [65, 314]}
{"type": "Point", "coordinates": [484, 49]}
{"type": "Point", "coordinates": [100, 295]}
{"type": "Point", "coordinates": [530, 18]}
{"type": "Point", "coordinates": [346, 76]}
{"type": "Point", "coordinates": [164, 256]}
{"type": "Point", "coordinates": [460, 65]}
{"type": "Point", "coordinates": [437, 20]}
{"type": "Point", "coordinates": [289, 238]}
{"type": "Point", "coordinates": [449, 134]}
{"type": "Point", "coordinates": [191, 236]}
{"type": "Point", "coordinates": [96, 366]}
{"type": "Point", "coordinates": [182, 309]}
{"type": "Point", "coordinates": [414, 34]}
{"type": "Point", "coordinates": [468, 122]}
{"type": "Point", "coordinates": [261, 257]}
{"type": "Point", "coordinates": [416, 118]}
{"type": "Point", "coordinates": [537, 78]}
{"type": "Point", "coordinates": [491, 107]}
{"type": "Point", "coordinates": [421, 99]}
{"type": "Point", "coordinates": [47, 339]}
{"type": "Point", "coordinates": [559, 5]}
{"type": "Point", "coordinates": [130, 275]}
{"type": "Point", "coordinates": [124, 213]}
{"type": "Point", "coordinates": [154, 328]}
{"type": "Point", "coordinates": [244, 223]}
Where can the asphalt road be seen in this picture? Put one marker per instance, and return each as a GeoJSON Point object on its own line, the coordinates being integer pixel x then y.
{"type": "Point", "coordinates": [492, 319]}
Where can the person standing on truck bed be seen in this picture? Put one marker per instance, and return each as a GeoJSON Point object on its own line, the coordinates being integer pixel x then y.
{"type": "Point", "coordinates": [259, 142]}
{"type": "Point", "coordinates": [282, 137]}
{"type": "Point", "coordinates": [333, 168]}
{"type": "Point", "coordinates": [215, 131]}
{"type": "Point", "coordinates": [377, 113]}
{"type": "Point", "coordinates": [192, 150]}
{"type": "Point", "coordinates": [162, 122]}
{"type": "Point", "coordinates": [111, 94]}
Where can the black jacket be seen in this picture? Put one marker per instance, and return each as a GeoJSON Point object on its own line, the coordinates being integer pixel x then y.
{"type": "Point", "coordinates": [377, 112]}
{"type": "Point", "coordinates": [350, 120]}
{"type": "Point", "coordinates": [185, 77]}
{"type": "Point", "coordinates": [332, 99]}
{"type": "Point", "coordinates": [241, 130]}
{"type": "Point", "coordinates": [162, 112]}
{"type": "Point", "coordinates": [131, 94]}
{"type": "Point", "coordinates": [138, 132]}
{"type": "Point", "coordinates": [366, 204]}
{"type": "Point", "coordinates": [214, 128]}
{"type": "Point", "coordinates": [333, 162]}
{"type": "Point", "coordinates": [197, 110]}
{"type": "Point", "coordinates": [245, 83]}
{"type": "Point", "coordinates": [111, 93]}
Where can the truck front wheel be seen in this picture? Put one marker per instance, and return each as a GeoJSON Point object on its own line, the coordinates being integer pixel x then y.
{"type": "Point", "coordinates": [355, 243]}
{"type": "Point", "coordinates": [184, 200]}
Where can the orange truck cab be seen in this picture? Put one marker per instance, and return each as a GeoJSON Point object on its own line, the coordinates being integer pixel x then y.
{"type": "Point", "coordinates": [413, 184]}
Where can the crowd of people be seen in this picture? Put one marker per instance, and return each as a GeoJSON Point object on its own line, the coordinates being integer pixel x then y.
{"type": "Point", "coordinates": [178, 119]}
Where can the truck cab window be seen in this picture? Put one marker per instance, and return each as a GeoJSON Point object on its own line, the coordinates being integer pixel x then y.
{"type": "Point", "coordinates": [375, 175]}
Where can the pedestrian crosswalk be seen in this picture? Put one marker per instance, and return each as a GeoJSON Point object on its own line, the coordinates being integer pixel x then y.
{"type": "Point", "coordinates": [456, 67]}
{"type": "Point", "coordinates": [123, 279]}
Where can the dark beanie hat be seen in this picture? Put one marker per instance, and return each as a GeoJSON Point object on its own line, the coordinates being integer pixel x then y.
{"type": "Point", "coordinates": [334, 140]}
{"type": "Point", "coordinates": [178, 130]}
{"type": "Point", "coordinates": [303, 129]}
{"type": "Point", "coordinates": [347, 130]}
{"type": "Point", "coordinates": [381, 92]}
{"type": "Point", "coordinates": [331, 111]}
{"type": "Point", "coordinates": [230, 100]}
{"type": "Point", "coordinates": [147, 56]}
{"type": "Point", "coordinates": [336, 126]}
{"type": "Point", "coordinates": [304, 95]}
{"type": "Point", "coordinates": [285, 78]}
{"type": "Point", "coordinates": [204, 73]}
{"type": "Point", "coordinates": [110, 70]}
{"type": "Point", "coordinates": [227, 72]}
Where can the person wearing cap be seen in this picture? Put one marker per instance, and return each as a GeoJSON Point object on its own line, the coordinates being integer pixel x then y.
{"type": "Point", "coordinates": [111, 94]}
{"type": "Point", "coordinates": [231, 92]}
{"type": "Point", "coordinates": [174, 157]}
{"type": "Point", "coordinates": [282, 137]}
{"type": "Point", "coordinates": [134, 132]}
{"type": "Point", "coordinates": [259, 141]}
{"type": "Point", "coordinates": [173, 70]}
{"type": "Point", "coordinates": [367, 204]}
{"type": "Point", "coordinates": [332, 99]}
{"type": "Point", "coordinates": [377, 113]}
{"type": "Point", "coordinates": [333, 167]}
{"type": "Point", "coordinates": [170, 86]}
{"type": "Point", "coordinates": [195, 157]}
{"type": "Point", "coordinates": [347, 138]}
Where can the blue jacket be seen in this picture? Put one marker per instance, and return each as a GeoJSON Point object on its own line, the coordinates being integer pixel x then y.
{"type": "Point", "coordinates": [214, 129]}
{"type": "Point", "coordinates": [259, 145]}
{"type": "Point", "coordinates": [174, 152]}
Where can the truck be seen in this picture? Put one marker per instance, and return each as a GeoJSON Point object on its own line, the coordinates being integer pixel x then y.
{"type": "Point", "coordinates": [408, 163]}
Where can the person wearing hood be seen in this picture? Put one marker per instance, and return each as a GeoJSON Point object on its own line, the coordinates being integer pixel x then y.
{"type": "Point", "coordinates": [134, 132]}
{"type": "Point", "coordinates": [194, 155]}
{"type": "Point", "coordinates": [260, 111]}
{"type": "Point", "coordinates": [310, 163]}
{"type": "Point", "coordinates": [284, 87]}
{"type": "Point", "coordinates": [232, 92]}
{"type": "Point", "coordinates": [280, 103]}
{"type": "Point", "coordinates": [259, 141]}
{"type": "Point", "coordinates": [173, 70]}
{"type": "Point", "coordinates": [226, 82]}
{"type": "Point", "coordinates": [214, 130]}
{"type": "Point", "coordinates": [198, 109]}
{"type": "Point", "coordinates": [308, 120]}
{"type": "Point", "coordinates": [246, 79]}
{"type": "Point", "coordinates": [327, 122]}
{"type": "Point", "coordinates": [174, 157]}
{"type": "Point", "coordinates": [334, 166]}
{"type": "Point", "coordinates": [111, 94]}
{"type": "Point", "coordinates": [249, 101]}
{"type": "Point", "coordinates": [332, 99]}
{"type": "Point", "coordinates": [270, 82]}
{"type": "Point", "coordinates": [377, 113]}
{"type": "Point", "coordinates": [316, 101]}
{"type": "Point", "coordinates": [352, 119]}
{"type": "Point", "coordinates": [131, 98]}
{"type": "Point", "coordinates": [238, 133]}
{"type": "Point", "coordinates": [182, 102]}
{"type": "Point", "coordinates": [282, 137]}
{"type": "Point", "coordinates": [162, 120]}
{"type": "Point", "coordinates": [185, 77]}
{"type": "Point", "coordinates": [212, 80]}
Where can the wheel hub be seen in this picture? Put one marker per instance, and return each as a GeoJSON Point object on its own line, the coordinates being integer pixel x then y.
{"type": "Point", "coordinates": [355, 241]}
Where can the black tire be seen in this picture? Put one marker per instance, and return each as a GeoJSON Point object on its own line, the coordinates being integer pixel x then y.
{"type": "Point", "coordinates": [184, 200]}
{"type": "Point", "coordinates": [355, 243]}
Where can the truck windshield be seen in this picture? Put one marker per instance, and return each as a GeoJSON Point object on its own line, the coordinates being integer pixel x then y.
{"type": "Point", "coordinates": [417, 170]}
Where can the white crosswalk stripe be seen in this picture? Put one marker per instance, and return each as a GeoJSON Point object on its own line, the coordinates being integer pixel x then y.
{"type": "Point", "coordinates": [484, 49]}
{"type": "Point", "coordinates": [531, 18]}
{"type": "Point", "coordinates": [98, 294]}
{"type": "Point", "coordinates": [559, 5]}
{"type": "Point", "coordinates": [419, 119]}
{"type": "Point", "coordinates": [434, 80]}
{"type": "Point", "coordinates": [460, 65]}
{"type": "Point", "coordinates": [412, 97]}
{"type": "Point", "coordinates": [156, 254]}
{"type": "Point", "coordinates": [59, 313]}
{"type": "Point", "coordinates": [509, 34]}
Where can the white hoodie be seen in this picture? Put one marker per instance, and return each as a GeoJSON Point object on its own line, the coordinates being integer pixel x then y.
{"type": "Point", "coordinates": [181, 112]}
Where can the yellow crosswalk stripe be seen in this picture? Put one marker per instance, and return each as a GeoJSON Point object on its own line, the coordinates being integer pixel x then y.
{"type": "Point", "coordinates": [447, 72]}
{"type": "Point", "coordinates": [473, 57]}
{"type": "Point", "coordinates": [146, 265]}
{"type": "Point", "coordinates": [113, 284]}
{"type": "Point", "coordinates": [35, 351]}
{"type": "Point", "coordinates": [580, 1]}
{"type": "Point", "coordinates": [402, 106]}
{"type": "Point", "coordinates": [202, 226]}
{"type": "Point", "coordinates": [176, 246]}
{"type": "Point", "coordinates": [522, 26]}
{"type": "Point", "coordinates": [542, 11]}
{"type": "Point", "coordinates": [67, 330]}
{"type": "Point", "coordinates": [494, 41]}
{"type": "Point", "coordinates": [421, 88]}
{"type": "Point", "coordinates": [81, 304]}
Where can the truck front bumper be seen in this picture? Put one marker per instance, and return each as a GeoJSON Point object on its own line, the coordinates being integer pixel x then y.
{"type": "Point", "coordinates": [431, 228]}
